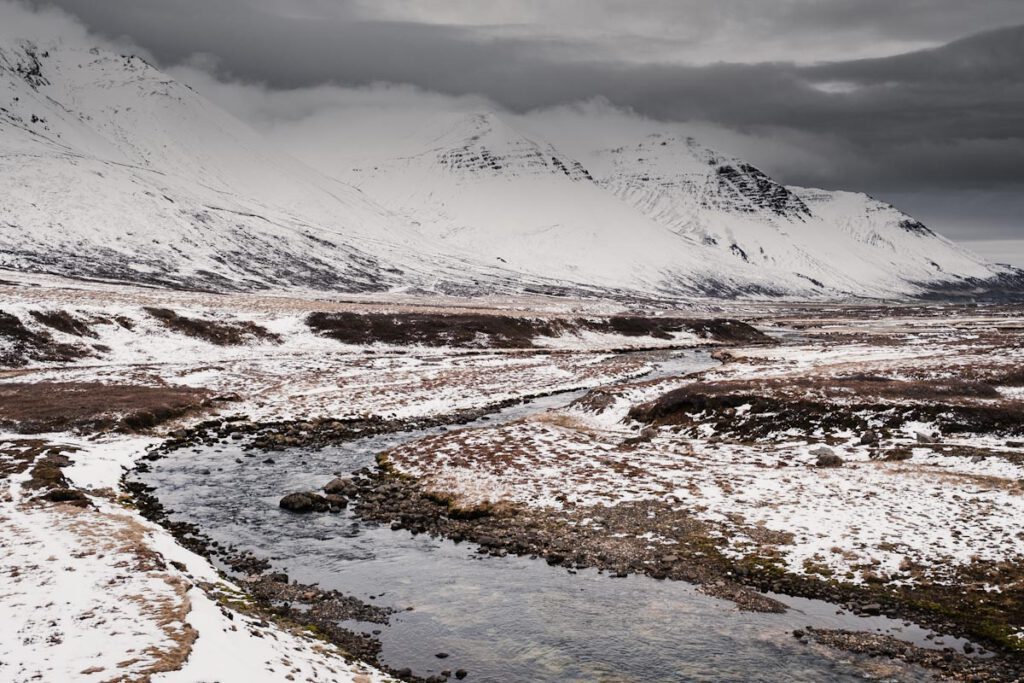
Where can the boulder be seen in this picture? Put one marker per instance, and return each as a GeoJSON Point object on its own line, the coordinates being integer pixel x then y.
{"type": "Point", "coordinates": [826, 457]}
{"type": "Point", "coordinates": [341, 486]}
{"type": "Point", "coordinates": [869, 438]}
{"type": "Point", "coordinates": [304, 502]}
{"type": "Point", "coordinates": [336, 501]}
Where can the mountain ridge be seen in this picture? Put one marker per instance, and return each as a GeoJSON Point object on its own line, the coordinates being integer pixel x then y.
{"type": "Point", "coordinates": [118, 171]}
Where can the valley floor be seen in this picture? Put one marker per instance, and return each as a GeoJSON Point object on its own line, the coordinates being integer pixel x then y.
{"type": "Point", "coordinates": [870, 456]}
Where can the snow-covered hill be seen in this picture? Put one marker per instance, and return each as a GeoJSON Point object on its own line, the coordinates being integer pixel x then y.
{"type": "Point", "coordinates": [111, 169]}
{"type": "Point", "coordinates": [832, 241]}
{"type": "Point", "coordinates": [482, 188]}
{"type": "Point", "coordinates": [114, 170]}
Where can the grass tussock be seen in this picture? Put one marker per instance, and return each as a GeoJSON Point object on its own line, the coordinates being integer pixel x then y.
{"type": "Point", "coordinates": [37, 407]}
{"type": "Point", "coordinates": [511, 332]}
{"type": "Point", "coordinates": [221, 333]}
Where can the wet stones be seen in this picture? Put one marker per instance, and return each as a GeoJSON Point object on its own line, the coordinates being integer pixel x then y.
{"type": "Point", "coordinates": [308, 501]}
{"type": "Point", "coordinates": [872, 608]}
{"type": "Point", "coordinates": [322, 609]}
{"type": "Point", "coordinates": [946, 664]}
{"type": "Point", "coordinates": [304, 502]}
{"type": "Point", "coordinates": [341, 486]}
{"type": "Point", "coordinates": [336, 502]}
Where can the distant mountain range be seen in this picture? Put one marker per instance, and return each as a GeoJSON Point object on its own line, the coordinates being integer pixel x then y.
{"type": "Point", "coordinates": [113, 170]}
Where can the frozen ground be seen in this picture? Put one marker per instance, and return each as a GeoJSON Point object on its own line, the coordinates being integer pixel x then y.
{"type": "Point", "coordinates": [883, 453]}
{"type": "Point", "coordinates": [95, 592]}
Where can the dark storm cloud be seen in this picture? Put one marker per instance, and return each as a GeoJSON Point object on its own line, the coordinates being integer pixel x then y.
{"type": "Point", "coordinates": [941, 20]}
{"type": "Point", "coordinates": [930, 120]}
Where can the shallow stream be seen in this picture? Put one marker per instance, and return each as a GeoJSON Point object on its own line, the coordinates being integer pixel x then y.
{"type": "Point", "coordinates": [501, 618]}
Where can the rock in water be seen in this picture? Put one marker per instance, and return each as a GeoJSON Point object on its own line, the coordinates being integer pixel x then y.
{"type": "Point", "coordinates": [304, 502]}
{"type": "Point", "coordinates": [336, 501]}
{"type": "Point", "coordinates": [340, 486]}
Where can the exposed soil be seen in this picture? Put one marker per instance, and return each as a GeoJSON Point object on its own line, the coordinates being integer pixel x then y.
{"type": "Point", "coordinates": [217, 332]}
{"type": "Point", "coordinates": [62, 321]}
{"type": "Point", "coordinates": [505, 332]}
{"type": "Point", "coordinates": [20, 345]}
{"type": "Point", "coordinates": [18, 455]}
{"type": "Point", "coordinates": [856, 402]}
{"type": "Point", "coordinates": [44, 462]}
{"type": "Point", "coordinates": [36, 407]}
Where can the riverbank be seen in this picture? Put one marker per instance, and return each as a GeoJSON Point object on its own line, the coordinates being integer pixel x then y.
{"type": "Point", "coordinates": [876, 464]}
{"type": "Point", "coordinates": [97, 375]}
{"type": "Point", "coordinates": [715, 483]}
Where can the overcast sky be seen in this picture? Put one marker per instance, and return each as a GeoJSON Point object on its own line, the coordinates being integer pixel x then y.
{"type": "Point", "coordinates": [920, 102]}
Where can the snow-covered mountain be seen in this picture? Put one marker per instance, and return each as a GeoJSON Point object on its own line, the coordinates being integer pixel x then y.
{"type": "Point", "coordinates": [475, 184]}
{"type": "Point", "coordinates": [843, 241]}
{"type": "Point", "coordinates": [114, 170]}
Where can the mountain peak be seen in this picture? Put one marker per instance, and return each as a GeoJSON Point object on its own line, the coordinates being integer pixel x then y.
{"type": "Point", "coordinates": [714, 180]}
{"type": "Point", "coordinates": [482, 142]}
{"type": "Point", "coordinates": [115, 170]}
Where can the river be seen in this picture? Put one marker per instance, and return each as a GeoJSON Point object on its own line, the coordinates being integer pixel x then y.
{"type": "Point", "coordinates": [500, 618]}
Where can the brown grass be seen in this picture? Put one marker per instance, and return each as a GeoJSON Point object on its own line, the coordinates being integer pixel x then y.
{"type": "Point", "coordinates": [24, 345]}
{"type": "Point", "coordinates": [221, 333]}
{"type": "Point", "coordinates": [510, 332]}
{"type": "Point", "coordinates": [91, 406]}
{"type": "Point", "coordinates": [170, 612]}
{"type": "Point", "coordinates": [62, 321]}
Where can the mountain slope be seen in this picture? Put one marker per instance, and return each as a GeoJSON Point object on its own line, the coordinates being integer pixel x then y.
{"type": "Point", "coordinates": [114, 170]}
{"type": "Point", "coordinates": [477, 185]}
{"type": "Point", "coordinates": [837, 241]}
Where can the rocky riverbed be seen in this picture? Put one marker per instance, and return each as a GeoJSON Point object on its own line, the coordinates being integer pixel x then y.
{"type": "Point", "coordinates": [647, 535]}
{"type": "Point", "coordinates": [867, 458]}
